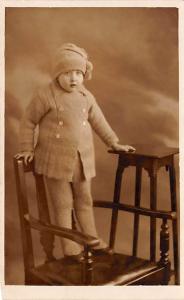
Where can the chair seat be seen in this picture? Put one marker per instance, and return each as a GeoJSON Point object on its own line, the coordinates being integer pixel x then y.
{"type": "Point", "coordinates": [117, 269]}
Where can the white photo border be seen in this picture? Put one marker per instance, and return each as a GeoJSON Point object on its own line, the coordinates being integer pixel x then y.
{"type": "Point", "coordinates": [12, 292]}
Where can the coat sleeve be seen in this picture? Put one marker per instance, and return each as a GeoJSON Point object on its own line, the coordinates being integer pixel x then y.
{"type": "Point", "coordinates": [99, 124]}
{"type": "Point", "coordinates": [36, 109]}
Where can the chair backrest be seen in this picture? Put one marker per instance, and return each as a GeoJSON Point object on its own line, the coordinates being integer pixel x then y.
{"type": "Point", "coordinates": [46, 239]}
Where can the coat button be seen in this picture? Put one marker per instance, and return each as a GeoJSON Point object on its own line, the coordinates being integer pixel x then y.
{"type": "Point", "coordinates": [84, 110]}
{"type": "Point", "coordinates": [57, 136]}
{"type": "Point", "coordinates": [84, 123]}
{"type": "Point", "coordinates": [61, 123]}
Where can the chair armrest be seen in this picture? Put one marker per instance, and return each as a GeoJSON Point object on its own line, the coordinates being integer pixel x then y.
{"type": "Point", "coordinates": [139, 210]}
{"type": "Point", "coordinates": [74, 235]}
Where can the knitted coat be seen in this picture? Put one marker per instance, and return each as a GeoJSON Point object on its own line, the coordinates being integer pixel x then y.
{"type": "Point", "coordinates": [65, 120]}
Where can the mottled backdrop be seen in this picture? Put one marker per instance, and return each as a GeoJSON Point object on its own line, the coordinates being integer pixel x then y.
{"type": "Point", "coordinates": [135, 80]}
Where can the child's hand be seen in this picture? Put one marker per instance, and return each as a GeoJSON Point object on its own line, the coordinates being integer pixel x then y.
{"type": "Point", "coordinates": [125, 148]}
{"type": "Point", "coordinates": [28, 156]}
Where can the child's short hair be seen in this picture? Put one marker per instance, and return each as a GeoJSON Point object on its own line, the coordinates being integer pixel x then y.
{"type": "Point", "coordinates": [71, 57]}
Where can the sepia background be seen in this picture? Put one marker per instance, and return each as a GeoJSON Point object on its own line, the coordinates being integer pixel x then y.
{"type": "Point", "coordinates": [135, 81]}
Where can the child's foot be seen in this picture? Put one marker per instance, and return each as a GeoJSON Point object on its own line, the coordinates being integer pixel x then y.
{"type": "Point", "coordinates": [77, 258]}
{"type": "Point", "coordinates": [102, 251]}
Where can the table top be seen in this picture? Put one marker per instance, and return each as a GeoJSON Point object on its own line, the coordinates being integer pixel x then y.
{"type": "Point", "coordinates": [148, 150]}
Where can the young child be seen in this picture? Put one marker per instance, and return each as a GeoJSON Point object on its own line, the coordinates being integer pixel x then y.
{"type": "Point", "coordinates": [65, 112]}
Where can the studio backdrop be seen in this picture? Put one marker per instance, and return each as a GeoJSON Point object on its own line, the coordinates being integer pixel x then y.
{"type": "Point", "coordinates": [135, 81]}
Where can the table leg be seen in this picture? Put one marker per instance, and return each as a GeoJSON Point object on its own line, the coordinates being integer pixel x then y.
{"type": "Point", "coordinates": [117, 192]}
{"type": "Point", "coordinates": [137, 204]}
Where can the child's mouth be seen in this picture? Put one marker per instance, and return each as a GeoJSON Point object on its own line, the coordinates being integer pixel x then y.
{"type": "Point", "coordinates": [73, 85]}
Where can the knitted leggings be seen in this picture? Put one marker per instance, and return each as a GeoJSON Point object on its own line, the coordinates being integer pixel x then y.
{"type": "Point", "coordinates": [76, 194]}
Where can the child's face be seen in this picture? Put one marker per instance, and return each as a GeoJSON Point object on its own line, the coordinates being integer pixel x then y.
{"type": "Point", "coordinates": [69, 81]}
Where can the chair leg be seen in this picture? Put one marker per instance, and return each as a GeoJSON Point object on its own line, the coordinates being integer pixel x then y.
{"type": "Point", "coordinates": [172, 178]}
{"type": "Point", "coordinates": [164, 251]}
{"type": "Point", "coordinates": [137, 204]}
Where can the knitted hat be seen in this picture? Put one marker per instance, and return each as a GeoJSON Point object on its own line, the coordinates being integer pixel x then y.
{"type": "Point", "coordinates": [70, 57]}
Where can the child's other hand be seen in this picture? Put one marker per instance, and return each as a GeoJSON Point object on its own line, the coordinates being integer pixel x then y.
{"type": "Point", "coordinates": [28, 156]}
{"type": "Point", "coordinates": [125, 148]}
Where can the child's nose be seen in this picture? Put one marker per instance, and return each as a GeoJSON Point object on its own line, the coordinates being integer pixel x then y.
{"type": "Point", "coordinates": [73, 76]}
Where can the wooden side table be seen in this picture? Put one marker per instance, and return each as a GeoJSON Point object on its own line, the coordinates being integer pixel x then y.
{"type": "Point", "coordinates": [151, 158]}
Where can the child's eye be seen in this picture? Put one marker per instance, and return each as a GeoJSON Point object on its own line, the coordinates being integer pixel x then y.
{"type": "Point", "coordinates": [78, 72]}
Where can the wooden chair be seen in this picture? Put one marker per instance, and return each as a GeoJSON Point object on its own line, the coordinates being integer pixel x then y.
{"type": "Point", "coordinates": [117, 269]}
